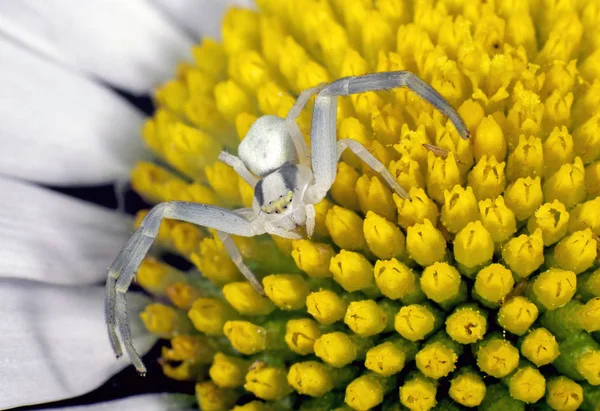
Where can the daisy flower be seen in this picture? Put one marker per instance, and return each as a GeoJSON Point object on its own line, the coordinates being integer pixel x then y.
{"type": "Point", "coordinates": [483, 290]}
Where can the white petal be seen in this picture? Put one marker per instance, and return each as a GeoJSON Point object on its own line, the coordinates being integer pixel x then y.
{"type": "Point", "coordinates": [54, 341]}
{"type": "Point", "coordinates": [200, 17]}
{"type": "Point", "coordinates": [54, 238]}
{"type": "Point", "coordinates": [60, 128]}
{"type": "Point", "coordinates": [149, 402]}
{"type": "Point", "coordinates": [126, 43]}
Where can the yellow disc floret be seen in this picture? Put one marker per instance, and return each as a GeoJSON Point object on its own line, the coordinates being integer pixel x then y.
{"type": "Point", "coordinates": [425, 244]}
{"type": "Point", "coordinates": [311, 378]}
{"type": "Point", "coordinates": [467, 389]}
{"type": "Point", "coordinates": [473, 245]}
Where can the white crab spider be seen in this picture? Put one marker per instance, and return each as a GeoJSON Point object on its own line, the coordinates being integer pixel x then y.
{"type": "Point", "coordinates": [288, 180]}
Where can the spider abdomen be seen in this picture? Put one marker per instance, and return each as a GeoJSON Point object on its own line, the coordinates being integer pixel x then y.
{"type": "Point", "coordinates": [267, 146]}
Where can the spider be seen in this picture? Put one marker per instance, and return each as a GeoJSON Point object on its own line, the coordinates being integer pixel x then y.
{"type": "Point", "coordinates": [287, 179]}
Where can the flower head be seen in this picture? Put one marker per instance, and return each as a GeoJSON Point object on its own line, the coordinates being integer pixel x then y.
{"type": "Point", "coordinates": [502, 226]}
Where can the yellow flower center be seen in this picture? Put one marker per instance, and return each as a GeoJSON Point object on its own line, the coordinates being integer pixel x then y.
{"type": "Point", "coordinates": [499, 240]}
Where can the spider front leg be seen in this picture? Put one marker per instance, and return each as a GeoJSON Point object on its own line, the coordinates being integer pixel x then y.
{"type": "Point", "coordinates": [325, 149]}
{"type": "Point", "coordinates": [122, 271]}
{"type": "Point", "coordinates": [292, 126]}
{"type": "Point", "coordinates": [326, 152]}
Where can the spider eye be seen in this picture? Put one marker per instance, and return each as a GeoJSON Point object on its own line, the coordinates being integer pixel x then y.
{"type": "Point", "coordinates": [276, 211]}
{"type": "Point", "coordinates": [285, 207]}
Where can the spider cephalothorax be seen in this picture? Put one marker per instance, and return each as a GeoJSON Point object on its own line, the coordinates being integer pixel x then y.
{"type": "Point", "coordinates": [288, 181]}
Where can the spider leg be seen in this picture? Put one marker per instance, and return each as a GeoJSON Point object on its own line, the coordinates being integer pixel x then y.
{"type": "Point", "coordinates": [274, 229]}
{"type": "Point", "coordinates": [236, 257]}
{"type": "Point", "coordinates": [292, 126]}
{"type": "Point", "coordinates": [372, 162]}
{"type": "Point", "coordinates": [395, 79]}
{"type": "Point", "coordinates": [122, 271]}
{"type": "Point", "coordinates": [239, 167]}
{"type": "Point", "coordinates": [310, 219]}
{"type": "Point", "coordinates": [325, 151]}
